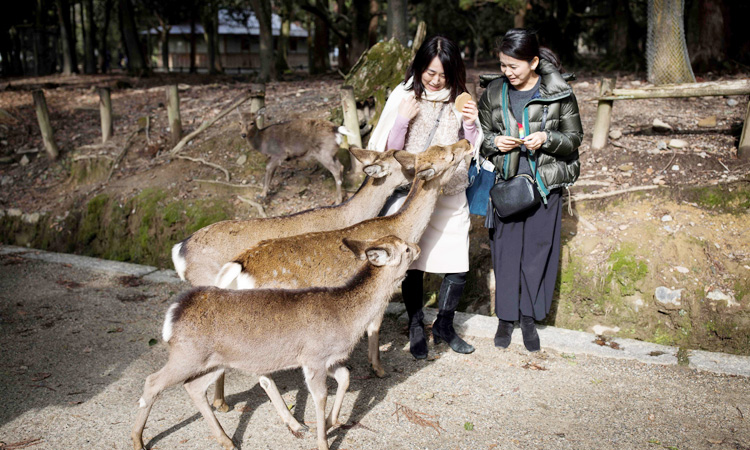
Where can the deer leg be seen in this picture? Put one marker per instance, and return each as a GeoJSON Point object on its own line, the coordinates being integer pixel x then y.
{"type": "Point", "coordinates": [273, 393]}
{"type": "Point", "coordinates": [219, 402]}
{"type": "Point", "coordinates": [271, 167]}
{"type": "Point", "coordinates": [196, 388]}
{"type": "Point", "coordinates": [315, 378]}
{"type": "Point", "coordinates": [334, 166]}
{"type": "Point", "coordinates": [341, 374]}
{"type": "Point", "coordinates": [373, 350]}
{"type": "Point", "coordinates": [169, 375]}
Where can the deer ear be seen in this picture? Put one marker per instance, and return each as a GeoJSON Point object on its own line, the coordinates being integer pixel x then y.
{"type": "Point", "coordinates": [406, 159]}
{"type": "Point", "coordinates": [426, 174]}
{"type": "Point", "coordinates": [364, 156]}
{"type": "Point", "coordinates": [356, 247]}
{"type": "Point", "coordinates": [378, 256]}
{"type": "Point", "coordinates": [375, 171]}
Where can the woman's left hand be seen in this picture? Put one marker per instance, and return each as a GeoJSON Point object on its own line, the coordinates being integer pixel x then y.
{"type": "Point", "coordinates": [470, 112]}
{"type": "Point", "coordinates": [535, 140]}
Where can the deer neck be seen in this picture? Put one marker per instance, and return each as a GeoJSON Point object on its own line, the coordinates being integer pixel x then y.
{"type": "Point", "coordinates": [411, 220]}
{"type": "Point", "coordinates": [372, 195]}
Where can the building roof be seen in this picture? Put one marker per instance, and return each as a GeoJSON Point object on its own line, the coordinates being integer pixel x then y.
{"type": "Point", "coordinates": [233, 24]}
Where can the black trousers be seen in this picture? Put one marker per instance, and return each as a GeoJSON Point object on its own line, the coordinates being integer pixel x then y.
{"type": "Point", "coordinates": [525, 258]}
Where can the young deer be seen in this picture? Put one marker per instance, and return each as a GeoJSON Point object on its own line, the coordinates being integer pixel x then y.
{"type": "Point", "coordinates": [199, 258]}
{"type": "Point", "coordinates": [207, 332]}
{"type": "Point", "coordinates": [302, 138]}
{"type": "Point", "coordinates": [315, 259]}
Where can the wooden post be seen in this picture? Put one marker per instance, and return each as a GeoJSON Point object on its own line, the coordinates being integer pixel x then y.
{"type": "Point", "coordinates": [603, 115]}
{"type": "Point", "coordinates": [258, 101]}
{"type": "Point", "coordinates": [42, 115]}
{"type": "Point", "coordinates": [743, 150]}
{"type": "Point", "coordinates": [355, 175]}
{"type": "Point", "coordinates": [105, 110]}
{"type": "Point", "coordinates": [173, 114]}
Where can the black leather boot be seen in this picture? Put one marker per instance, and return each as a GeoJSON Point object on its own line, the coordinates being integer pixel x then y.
{"type": "Point", "coordinates": [442, 328]}
{"type": "Point", "coordinates": [530, 336]}
{"type": "Point", "coordinates": [503, 333]}
{"type": "Point", "coordinates": [411, 291]}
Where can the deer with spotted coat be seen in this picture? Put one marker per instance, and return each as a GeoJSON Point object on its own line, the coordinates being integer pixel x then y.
{"type": "Point", "coordinates": [207, 331]}
{"type": "Point", "coordinates": [296, 139]}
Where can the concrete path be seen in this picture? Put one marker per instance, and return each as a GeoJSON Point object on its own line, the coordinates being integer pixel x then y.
{"type": "Point", "coordinates": [79, 335]}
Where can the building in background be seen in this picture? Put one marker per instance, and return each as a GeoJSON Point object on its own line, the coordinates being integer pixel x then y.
{"type": "Point", "coordinates": [239, 45]}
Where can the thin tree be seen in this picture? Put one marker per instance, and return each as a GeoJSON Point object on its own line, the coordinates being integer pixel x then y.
{"type": "Point", "coordinates": [397, 26]}
{"type": "Point", "coordinates": [63, 15]}
{"type": "Point", "coordinates": [102, 41]}
{"type": "Point", "coordinates": [262, 9]}
{"type": "Point", "coordinates": [131, 43]}
{"type": "Point", "coordinates": [89, 41]}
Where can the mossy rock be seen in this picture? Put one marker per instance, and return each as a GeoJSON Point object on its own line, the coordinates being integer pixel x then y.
{"type": "Point", "coordinates": [90, 170]}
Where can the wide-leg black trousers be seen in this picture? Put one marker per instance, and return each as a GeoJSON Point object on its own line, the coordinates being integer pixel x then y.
{"type": "Point", "coordinates": [525, 258]}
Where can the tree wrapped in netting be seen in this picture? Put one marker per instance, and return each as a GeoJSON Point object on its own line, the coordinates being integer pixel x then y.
{"type": "Point", "coordinates": [666, 50]}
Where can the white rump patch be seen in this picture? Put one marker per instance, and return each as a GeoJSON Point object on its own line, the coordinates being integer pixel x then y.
{"type": "Point", "coordinates": [166, 332]}
{"type": "Point", "coordinates": [245, 281]}
{"type": "Point", "coordinates": [226, 279]}
{"type": "Point", "coordinates": [179, 262]}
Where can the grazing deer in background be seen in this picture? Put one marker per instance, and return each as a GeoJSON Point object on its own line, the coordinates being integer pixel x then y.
{"type": "Point", "coordinates": [316, 329]}
{"type": "Point", "coordinates": [316, 259]}
{"type": "Point", "coordinates": [296, 139]}
{"type": "Point", "coordinates": [199, 258]}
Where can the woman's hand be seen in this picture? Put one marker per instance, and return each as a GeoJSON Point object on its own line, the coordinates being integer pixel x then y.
{"type": "Point", "coordinates": [506, 143]}
{"type": "Point", "coordinates": [470, 112]}
{"type": "Point", "coordinates": [535, 140]}
{"type": "Point", "coordinates": [409, 107]}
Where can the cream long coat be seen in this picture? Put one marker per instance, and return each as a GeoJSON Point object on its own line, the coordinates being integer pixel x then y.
{"type": "Point", "coordinates": [445, 242]}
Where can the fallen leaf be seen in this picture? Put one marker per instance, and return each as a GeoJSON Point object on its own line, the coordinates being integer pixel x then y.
{"type": "Point", "coordinates": [41, 376]}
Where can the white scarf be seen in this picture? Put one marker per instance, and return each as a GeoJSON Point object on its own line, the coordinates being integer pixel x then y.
{"type": "Point", "coordinates": [379, 138]}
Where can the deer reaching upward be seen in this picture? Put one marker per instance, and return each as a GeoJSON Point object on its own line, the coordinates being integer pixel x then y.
{"type": "Point", "coordinates": [207, 331]}
{"type": "Point", "coordinates": [296, 139]}
{"type": "Point", "coordinates": [199, 257]}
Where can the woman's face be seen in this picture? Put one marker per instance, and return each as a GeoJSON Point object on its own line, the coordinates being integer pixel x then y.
{"type": "Point", "coordinates": [433, 78]}
{"type": "Point", "coordinates": [520, 73]}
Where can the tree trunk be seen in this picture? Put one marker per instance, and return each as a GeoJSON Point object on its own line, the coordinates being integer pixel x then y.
{"type": "Point", "coordinates": [89, 41]}
{"type": "Point", "coordinates": [282, 44]}
{"type": "Point", "coordinates": [173, 113]}
{"type": "Point", "coordinates": [666, 49]}
{"type": "Point", "coordinates": [105, 111]}
{"type": "Point", "coordinates": [209, 23]}
{"type": "Point", "coordinates": [136, 61]}
{"type": "Point", "coordinates": [320, 63]}
{"type": "Point", "coordinates": [397, 26]}
{"type": "Point", "coordinates": [193, 44]}
{"type": "Point", "coordinates": [360, 29]}
{"type": "Point", "coordinates": [344, 62]}
{"type": "Point", "coordinates": [262, 9]}
{"type": "Point", "coordinates": [165, 44]}
{"type": "Point", "coordinates": [519, 20]}
{"type": "Point", "coordinates": [63, 15]}
{"type": "Point", "coordinates": [712, 36]}
{"type": "Point", "coordinates": [104, 59]}
{"type": "Point", "coordinates": [372, 32]}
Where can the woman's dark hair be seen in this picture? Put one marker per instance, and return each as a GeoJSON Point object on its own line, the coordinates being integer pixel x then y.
{"type": "Point", "coordinates": [522, 43]}
{"type": "Point", "coordinates": [453, 65]}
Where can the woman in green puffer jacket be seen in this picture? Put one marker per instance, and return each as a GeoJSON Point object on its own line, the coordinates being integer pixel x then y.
{"type": "Point", "coordinates": [532, 102]}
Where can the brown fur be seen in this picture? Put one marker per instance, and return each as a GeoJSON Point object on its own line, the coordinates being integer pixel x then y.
{"type": "Point", "coordinates": [266, 330]}
{"type": "Point", "coordinates": [208, 249]}
{"type": "Point", "coordinates": [301, 138]}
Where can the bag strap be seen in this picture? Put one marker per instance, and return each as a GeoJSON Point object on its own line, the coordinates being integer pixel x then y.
{"type": "Point", "coordinates": [434, 127]}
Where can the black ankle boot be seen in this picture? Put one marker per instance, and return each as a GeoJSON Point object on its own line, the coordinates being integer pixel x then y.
{"type": "Point", "coordinates": [503, 333]}
{"type": "Point", "coordinates": [530, 336]}
{"type": "Point", "coordinates": [442, 328]}
{"type": "Point", "coordinates": [411, 290]}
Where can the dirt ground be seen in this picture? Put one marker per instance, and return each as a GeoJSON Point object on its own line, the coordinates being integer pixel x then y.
{"type": "Point", "coordinates": [689, 234]}
{"type": "Point", "coordinates": [77, 348]}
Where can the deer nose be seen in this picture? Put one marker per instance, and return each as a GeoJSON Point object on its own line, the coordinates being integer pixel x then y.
{"type": "Point", "coordinates": [243, 135]}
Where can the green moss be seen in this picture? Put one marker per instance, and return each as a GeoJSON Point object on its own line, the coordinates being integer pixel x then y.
{"type": "Point", "coordinates": [732, 199]}
{"type": "Point", "coordinates": [626, 269]}
{"type": "Point", "coordinates": [91, 223]}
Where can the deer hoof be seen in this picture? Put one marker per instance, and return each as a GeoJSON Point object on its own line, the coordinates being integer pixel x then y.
{"type": "Point", "coordinates": [379, 371]}
{"type": "Point", "coordinates": [222, 406]}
